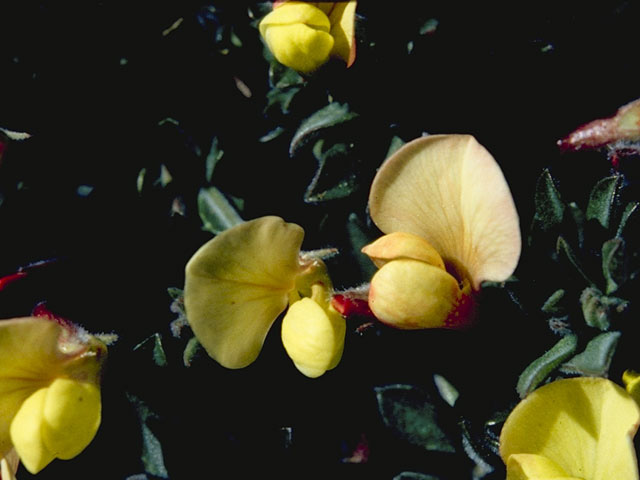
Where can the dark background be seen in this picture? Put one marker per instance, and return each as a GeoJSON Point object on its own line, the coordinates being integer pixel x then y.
{"type": "Point", "coordinates": [92, 81]}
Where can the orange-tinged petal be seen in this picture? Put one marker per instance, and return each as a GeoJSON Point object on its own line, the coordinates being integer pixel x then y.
{"type": "Point", "coordinates": [238, 283]}
{"type": "Point", "coordinates": [525, 466]}
{"type": "Point", "coordinates": [398, 245]}
{"type": "Point", "coordinates": [342, 17]}
{"type": "Point", "coordinates": [449, 190]}
{"type": "Point", "coordinates": [410, 294]}
{"type": "Point", "coordinates": [584, 425]}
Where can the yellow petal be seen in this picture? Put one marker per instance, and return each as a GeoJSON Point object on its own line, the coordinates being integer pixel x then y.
{"type": "Point", "coordinates": [342, 17]}
{"type": "Point", "coordinates": [524, 466]}
{"type": "Point", "coordinates": [409, 294]}
{"type": "Point", "coordinates": [29, 358]}
{"type": "Point", "coordinates": [584, 425]}
{"type": "Point", "coordinates": [71, 416]}
{"type": "Point", "coordinates": [26, 435]}
{"type": "Point", "coordinates": [297, 34]}
{"type": "Point", "coordinates": [238, 283]}
{"type": "Point", "coordinates": [631, 381]}
{"type": "Point", "coordinates": [449, 190]}
{"type": "Point", "coordinates": [398, 245]}
{"type": "Point", "coordinates": [313, 337]}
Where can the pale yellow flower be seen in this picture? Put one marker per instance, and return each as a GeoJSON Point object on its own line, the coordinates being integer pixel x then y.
{"type": "Point", "coordinates": [238, 283]}
{"type": "Point", "coordinates": [572, 429]}
{"type": "Point", "coordinates": [451, 224]}
{"type": "Point", "coordinates": [303, 35]}
{"type": "Point", "coordinates": [50, 404]}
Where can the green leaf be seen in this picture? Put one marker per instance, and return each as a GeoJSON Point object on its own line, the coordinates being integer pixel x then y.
{"type": "Point", "coordinates": [282, 77]}
{"type": "Point", "coordinates": [394, 146]}
{"type": "Point", "coordinates": [175, 293]}
{"type": "Point", "coordinates": [598, 309]}
{"type": "Point", "coordinates": [548, 204]}
{"type": "Point", "coordinates": [602, 199]}
{"type": "Point", "coordinates": [414, 476]}
{"type": "Point", "coordinates": [281, 97]}
{"type": "Point", "coordinates": [329, 116]}
{"type": "Point", "coordinates": [152, 457]}
{"type": "Point", "coordinates": [140, 180]}
{"type": "Point", "coordinates": [359, 237]}
{"type": "Point", "coordinates": [540, 368]}
{"type": "Point", "coordinates": [214, 156]}
{"type": "Point", "coordinates": [552, 304]}
{"type": "Point", "coordinates": [563, 247]}
{"type": "Point", "coordinates": [192, 349]}
{"type": "Point", "coordinates": [579, 219]}
{"type": "Point", "coordinates": [596, 358]}
{"type": "Point", "coordinates": [216, 213]}
{"type": "Point", "coordinates": [333, 178]}
{"type": "Point", "coordinates": [630, 211]}
{"type": "Point", "coordinates": [159, 357]}
{"type": "Point", "coordinates": [410, 414]}
{"type": "Point", "coordinates": [272, 134]}
{"type": "Point", "coordinates": [613, 264]}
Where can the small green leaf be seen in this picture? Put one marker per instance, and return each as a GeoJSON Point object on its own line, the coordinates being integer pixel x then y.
{"type": "Point", "coordinates": [394, 146]}
{"type": "Point", "coordinates": [579, 219]}
{"type": "Point", "coordinates": [598, 309]}
{"type": "Point", "coordinates": [175, 293]}
{"type": "Point", "coordinates": [334, 178]}
{"type": "Point", "coordinates": [552, 304]}
{"type": "Point", "coordinates": [281, 97]}
{"type": "Point", "coordinates": [164, 178]}
{"type": "Point", "coordinates": [414, 476]}
{"type": "Point", "coordinates": [549, 206]}
{"type": "Point", "coordinates": [359, 237]}
{"type": "Point", "coordinates": [152, 457]}
{"type": "Point", "coordinates": [540, 368]}
{"type": "Point", "coordinates": [630, 211]}
{"type": "Point", "coordinates": [216, 213]}
{"type": "Point", "coordinates": [563, 247]}
{"type": "Point", "coordinates": [272, 134]}
{"type": "Point", "coordinates": [603, 198]}
{"type": "Point", "coordinates": [329, 116]}
{"type": "Point", "coordinates": [429, 27]}
{"type": "Point", "coordinates": [613, 264]}
{"type": "Point", "coordinates": [140, 180]}
{"type": "Point", "coordinates": [410, 414]}
{"type": "Point", "coordinates": [192, 349]}
{"type": "Point", "coordinates": [214, 156]}
{"type": "Point", "coordinates": [596, 358]}
{"type": "Point", "coordinates": [159, 357]}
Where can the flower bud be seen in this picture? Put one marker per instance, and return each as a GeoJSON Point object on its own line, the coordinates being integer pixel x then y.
{"type": "Point", "coordinates": [410, 294]}
{"type": "Point", "coordinates": [298, 35]}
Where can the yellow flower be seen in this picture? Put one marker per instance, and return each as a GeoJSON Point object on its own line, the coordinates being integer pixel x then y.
{"type": "Point", "coordinates": [631, 380]}
{"type": "Point", "coordinates": [50, 403]}
{"type": "Point", "coordinates": [238, 283]}
{"type": "Point", "coordinates": [303, 35]}
{"type": "Point", "coordinates": [572, 429]}
{"type": "Point", "coordinates": [451, 224]}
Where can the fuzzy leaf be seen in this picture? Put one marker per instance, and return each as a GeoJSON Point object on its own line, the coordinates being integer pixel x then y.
{"type": "Point", "coordinates": [596, 358]}
{"type": "Point", "coordinates": [216, 213]}
{"type": "Point", "coordinates": [552, 304]}
{"type": "Point", "coordinates": [538, 370]}
{"type": "Point", "coordinates": [603, 198]}
{"type": "Point", "coordinates": [329, 116]}
{"type": "Point", "coordinates": [414, 476]}
{"type": "Point", "coordinates": [563, 247]}
{"type": "Point", "coordinates": [548, 204]}
{"type": "Point", "coordinates": [613, 263]}
{"type": "Point", "coordinates": [597, 309]}
{"type": "Point", "coordinates": [579, 219]}
{"type": "Point", "coordinates": [151, 456]}
{"type": "Point", "coordinates": [411, 415]}
{"type": "Point", "coordinates": [333, 178]}
{"type": "Point", "coordinates": [448, 392]}
{"type": "Point", "coordinates": [159, 357]}
{"type": "Point", "coordinates": [394, 145]}
{"type": "Point", "coordinates": [214, 156]}
{"type": "Point", "coordinates": [630, 211]}
{"type": "Point", "coordinates": [192, 349]}
{"type": "Point", "coordinates": [281, 97]}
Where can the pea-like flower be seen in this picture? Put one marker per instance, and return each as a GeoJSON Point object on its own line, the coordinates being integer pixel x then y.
{"type": "Point", "coordinates": [238, 283]}
{"type": "Point", "coordinates": [303, 35]}
{"type": "Point", "coordinates": [572, 429]}
{"type": "Point", "coordinates": [451, 224]}
{"type": "Point", "coordinates": [50, 404]}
